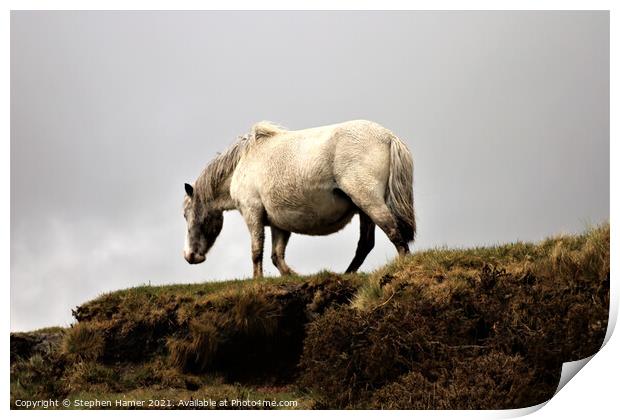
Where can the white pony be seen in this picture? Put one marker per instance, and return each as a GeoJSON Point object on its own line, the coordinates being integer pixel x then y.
{"type": "Point", "coordinates": [309, 181]}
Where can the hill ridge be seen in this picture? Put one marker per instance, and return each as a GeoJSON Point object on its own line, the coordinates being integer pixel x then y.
{"type": "Point", "coordinates": [486, 327]}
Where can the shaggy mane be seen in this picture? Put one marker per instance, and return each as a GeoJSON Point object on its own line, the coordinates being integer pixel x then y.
{"type": "Point", "coordinates": [220, 168]}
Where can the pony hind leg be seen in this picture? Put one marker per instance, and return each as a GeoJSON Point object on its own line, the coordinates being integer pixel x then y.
{"type": "Point", "coordinates": [279, 240]}
{"type": "Point", "coordinates": [375, 207]}
{"type": "Point", "coordinates": [387, 222]}
{"type": "Point", "coordinates": [382, 216]}
{"type": "Point", "coordinates": [365, 244]}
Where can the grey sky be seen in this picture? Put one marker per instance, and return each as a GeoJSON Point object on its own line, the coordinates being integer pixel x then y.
{"type": "Point", "coordinates": [506, 113]}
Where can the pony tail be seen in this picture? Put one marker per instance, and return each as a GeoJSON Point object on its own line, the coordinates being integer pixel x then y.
{"type": "Point", "coordinates": [400, 189]}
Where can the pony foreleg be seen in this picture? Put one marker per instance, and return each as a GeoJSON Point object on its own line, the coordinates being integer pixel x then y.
{"type": "Point", "coordinates": [279, 240]}
{"type": "Point", "coordinates": [258, 241]}
{"type": "Point", "coordinates": [365, 244]}
{"type": "Point", "coordinates": [257, 233]}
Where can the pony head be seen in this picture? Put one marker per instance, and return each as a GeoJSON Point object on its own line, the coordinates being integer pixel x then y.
{"type": "Point", "coordinates": [203, 226]}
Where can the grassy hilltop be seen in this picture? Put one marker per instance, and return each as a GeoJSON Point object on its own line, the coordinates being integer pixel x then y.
{"type": "Point", "coordinates": [447, 329]}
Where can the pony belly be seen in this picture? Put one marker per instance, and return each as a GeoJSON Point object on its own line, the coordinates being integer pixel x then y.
{"type": "Point", "coordinates": [326, 213]}
{"type": "Point", "coordinates": [327, 227]}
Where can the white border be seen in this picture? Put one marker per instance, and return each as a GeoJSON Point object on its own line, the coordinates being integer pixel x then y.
{"type": "Point", "coordinates": [592, 393]}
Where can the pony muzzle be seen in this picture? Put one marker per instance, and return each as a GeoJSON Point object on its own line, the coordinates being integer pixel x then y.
{"type": "Point", "coordinates": [193, 258]}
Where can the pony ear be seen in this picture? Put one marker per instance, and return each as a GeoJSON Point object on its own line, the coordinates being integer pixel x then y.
{"type": "Point", "coordinates": [189, 190]}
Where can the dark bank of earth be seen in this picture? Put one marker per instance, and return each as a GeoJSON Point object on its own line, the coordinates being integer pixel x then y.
{"type": "Point", "coordinates": [453, 329]}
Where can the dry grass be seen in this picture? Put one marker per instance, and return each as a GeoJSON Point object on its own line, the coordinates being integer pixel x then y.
{"type": "Point", "coordinates": [83, 342]}
{"type": "Point", "coordinates": [446, 322]}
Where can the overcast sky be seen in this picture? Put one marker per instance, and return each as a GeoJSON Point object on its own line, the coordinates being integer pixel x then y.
{"type": "Point", "coordinates": [506, 113]}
